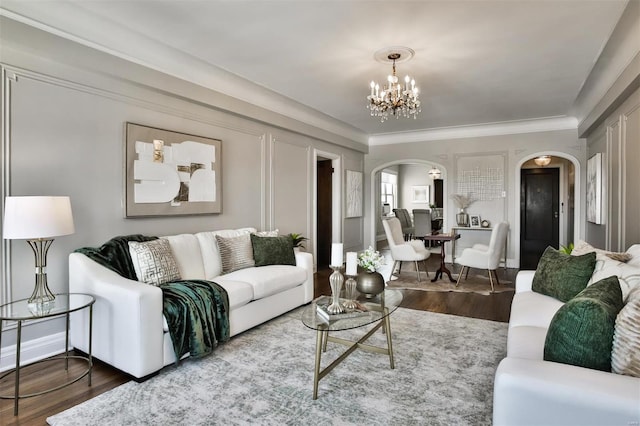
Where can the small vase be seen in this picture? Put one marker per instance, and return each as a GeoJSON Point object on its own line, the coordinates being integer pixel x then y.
{"type": "Point", "coordinates": [370, 283]}
{"type": "Point", "coordinates": [462, 218]}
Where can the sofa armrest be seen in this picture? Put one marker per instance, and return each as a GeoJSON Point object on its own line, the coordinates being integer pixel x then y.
{"type": "Point", "coordinates": [542, 392]}
{"type": "Point", "coordinates": [127, 318]}
{"type": "Point", "coordinates": [524, 281]}
{"type": "Point", "coordinates": [305, 260]}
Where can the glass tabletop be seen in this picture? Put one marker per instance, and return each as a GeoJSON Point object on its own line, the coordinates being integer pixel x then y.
{"type": "Point", "coordinates": [376, 309]}
{"type": "Point", "coordinates": [63, 303]}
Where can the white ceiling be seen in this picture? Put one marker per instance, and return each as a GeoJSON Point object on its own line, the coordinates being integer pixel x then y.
{"type": "Point", "coordinates": [476, 61]}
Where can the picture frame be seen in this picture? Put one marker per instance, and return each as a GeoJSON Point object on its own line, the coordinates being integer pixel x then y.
{"type": "Point", "coordinates": [168, 173]}
{"type": "Point", "coordinates": [594, 189]}
{"type": "Point", "coordinates": [353, 194]}
{"type": "Point", "coordinates": [420, 194]}
{"type": "Point", "coordinates": [474, 221]}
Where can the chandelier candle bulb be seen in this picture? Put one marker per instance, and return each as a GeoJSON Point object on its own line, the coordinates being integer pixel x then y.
{"type": "Point", "coordinates": [336, 255]}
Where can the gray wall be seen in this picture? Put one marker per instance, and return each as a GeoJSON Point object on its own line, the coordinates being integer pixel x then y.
{"type": "Point", "coordinates": [63, 134]}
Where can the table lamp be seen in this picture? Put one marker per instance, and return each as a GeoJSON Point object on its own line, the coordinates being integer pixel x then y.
{"type": "Point", "coordinates": [37, 220]}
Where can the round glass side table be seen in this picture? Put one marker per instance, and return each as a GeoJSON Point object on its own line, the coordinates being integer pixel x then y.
{"type": "Point", "coordinates": [21, 311]}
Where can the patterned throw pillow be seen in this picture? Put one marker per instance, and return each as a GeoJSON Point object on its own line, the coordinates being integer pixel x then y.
{"type": "Point", "coordinates": [273, 233]}
{"type": "Point", "coordinates": [625, 356]}
{"type": "Point", "coordinates": [153, 261]}
{"type": "Point", "coordinates": [235, 253]}
{"type": "Point", "coordinates": [581, 332]}
{"type": "Point", "coordinates": [583, 247]}
{"type": "Point", "coordinates": [273, 250]}
{"type": "Point", "coordinates": [562, 276]}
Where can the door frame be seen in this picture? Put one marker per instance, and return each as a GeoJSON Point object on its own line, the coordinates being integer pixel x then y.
{"type": "Point", "coordinates": [336, 200]}
{"type": "Point", "coordinates": [578, 224]}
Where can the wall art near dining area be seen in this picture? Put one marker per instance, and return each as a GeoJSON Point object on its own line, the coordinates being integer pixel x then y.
{"type": "Point", "coordinates": [169, 173]}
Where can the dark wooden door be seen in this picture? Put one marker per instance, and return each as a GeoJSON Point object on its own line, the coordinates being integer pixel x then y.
{"type": "Point", "coordinates": [539, 214]}
{"type": "Point", "coordinates": [437, 192]}
{"type": "Point", "coordinates": [324, 212]}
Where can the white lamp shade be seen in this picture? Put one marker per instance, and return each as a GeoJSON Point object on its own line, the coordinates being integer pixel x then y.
{"type": "Point", "coordinates": [28, 218]}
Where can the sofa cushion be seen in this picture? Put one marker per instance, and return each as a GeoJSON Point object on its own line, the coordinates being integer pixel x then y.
{"type": "Point", "coordinates": [273, 250]}
{"type": "Point", "coordinates": [186, 251]}
{"type": "Point", "coordinates": [561, 275]}
{"type": "Point", "coordinates": [268, 280]}
{"type": "Point", "coordinates": [634, 251]}
{"type": "Point", "coordinates": [210, 252]}
{"type": "Point", "coordinates": [627, 273]}
{"type": "Point", "coordinates": [533, 309]}
{"type": "Point", "coordinates": [153, 261]}
{"type": "Point", "coordinates": [625, 355]}
{"type": "Point", "coordinates": [581, 332]}
{"type": "Point", "coordinates": [240, 293]}
{"type": "Point", "coordinates": [526, 342]}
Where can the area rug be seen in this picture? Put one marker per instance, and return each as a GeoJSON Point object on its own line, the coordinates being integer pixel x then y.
{"type": "Point", "coordinates": [474, 283]}
{"type": "Point", "coordinates": [444, 373]}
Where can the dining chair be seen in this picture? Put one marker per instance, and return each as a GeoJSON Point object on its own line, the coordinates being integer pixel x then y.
{"type": "Point", "coordinates": [404, 251]}
{"type": "Point", "coordinates": [481, 256]}
{"type": "Point", "coordinates": [421, 223]}
{"type": "Point", "coordinates": [405, 222]}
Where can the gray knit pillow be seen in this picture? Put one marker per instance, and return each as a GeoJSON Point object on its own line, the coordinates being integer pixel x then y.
{"type": "Point", "coordinates": [153, 261]}
{"type": "Point", "coordinates": [235, 253]}
{"type": "Point", "coordinates": [625, 355]}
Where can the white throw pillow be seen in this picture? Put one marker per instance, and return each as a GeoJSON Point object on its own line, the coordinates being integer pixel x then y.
{"type": "Point", "coordinates": [153, 261]}
{"type": "Point", "coordinates": [634, 251]}
{"type": "Point", "coordinates": [625, 355]}
{"type": "Point", "coordinates": [583, 247]}
{"type": "Point", "coordinates": [628, 275]}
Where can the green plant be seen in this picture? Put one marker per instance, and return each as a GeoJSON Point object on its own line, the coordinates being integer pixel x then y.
{"type": "Point", "coordinates": [370, 259]}
{"type": "Point", "coordinates": [298, 239]}
{"type": "Point", "coordinates": [567, 250]}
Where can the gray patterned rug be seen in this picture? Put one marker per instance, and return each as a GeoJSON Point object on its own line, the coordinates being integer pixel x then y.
{"type": "Point", "coordinates": [444, 375]}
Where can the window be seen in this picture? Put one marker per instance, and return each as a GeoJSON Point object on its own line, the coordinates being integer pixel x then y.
{"type": "Point", "coordinates": [389, 189]}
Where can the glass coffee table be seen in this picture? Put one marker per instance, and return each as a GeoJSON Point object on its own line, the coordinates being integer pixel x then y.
{"type": "Point", "coordinates": [379, 310]}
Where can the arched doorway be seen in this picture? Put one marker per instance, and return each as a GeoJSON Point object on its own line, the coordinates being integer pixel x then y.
{"type": "Point", "coordinates": [547, 205]}
{"type": "Point", "coordinates": [375, 199]}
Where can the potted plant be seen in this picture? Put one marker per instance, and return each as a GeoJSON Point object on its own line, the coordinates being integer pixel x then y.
{"type": "Point", "coordinates": [463, 202]}
{"type": "Point", "coordinates": [370, 282]}
{"type": "Point", "coordinates": [298, 240]}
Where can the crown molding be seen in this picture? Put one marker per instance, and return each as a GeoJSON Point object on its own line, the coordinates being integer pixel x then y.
{"type": "Point", "coordinates": [158, 57]}
{"type": "Point", "coordinates": [477, 130]}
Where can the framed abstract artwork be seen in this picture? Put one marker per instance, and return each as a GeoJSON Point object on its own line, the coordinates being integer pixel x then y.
{"type": "Point", "coordinates": [169, 173]}
{"type": "Point", "coordinates": [353, 194]}
{"type": "Point", "coordinates": [420, 194]}
{"type": "Point", "coordinates": [594, 189]}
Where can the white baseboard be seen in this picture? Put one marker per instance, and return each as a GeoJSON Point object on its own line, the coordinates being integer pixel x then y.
{"type": "Point", "coordinates": [32, 350]}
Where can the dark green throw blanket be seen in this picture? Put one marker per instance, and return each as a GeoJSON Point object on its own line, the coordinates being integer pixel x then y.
{"type": "Point", "coordinates": [197, 311]}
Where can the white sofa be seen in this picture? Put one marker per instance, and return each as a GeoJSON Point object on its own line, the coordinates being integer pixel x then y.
{"type": "Point", "coordinates": [531, 391]}
{"type": "Point", "coordinates": [129, 329]}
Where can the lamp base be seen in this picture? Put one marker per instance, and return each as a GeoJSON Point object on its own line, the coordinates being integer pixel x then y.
{"type": "Point", "coordinates": [41, 292]}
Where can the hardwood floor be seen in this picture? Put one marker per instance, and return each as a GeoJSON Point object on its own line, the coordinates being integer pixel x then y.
{"type": "Point", "coordinates": [34, 411]}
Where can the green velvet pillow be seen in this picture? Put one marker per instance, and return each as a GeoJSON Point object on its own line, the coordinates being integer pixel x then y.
{"type": "Point", "coordinates": [561, 275]}
{"type": "Point", "coordinates": [581, 332]}
{"type": "Point", "coordinates": [273, 250]}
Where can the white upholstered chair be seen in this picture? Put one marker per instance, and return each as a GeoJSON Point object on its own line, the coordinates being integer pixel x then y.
{"type": "Point", "coordinates": [481, 256]}
{"type": "Point", "coordinates": [404, 251]}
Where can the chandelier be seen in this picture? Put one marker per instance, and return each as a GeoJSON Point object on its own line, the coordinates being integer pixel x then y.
{"type": "Point", "coordinates": [394, 98]}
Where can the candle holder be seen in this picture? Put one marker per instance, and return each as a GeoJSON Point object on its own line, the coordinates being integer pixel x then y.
{"type": "Point", "coordinates": [350, 293]}
{"type": "Point", "coordinates": [335, 281]}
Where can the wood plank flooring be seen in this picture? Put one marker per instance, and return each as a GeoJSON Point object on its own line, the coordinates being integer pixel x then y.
{"type": "Point", "coordinates": [34, 411]}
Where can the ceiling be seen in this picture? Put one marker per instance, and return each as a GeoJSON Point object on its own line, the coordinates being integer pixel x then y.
{"type": "Point", "coordinates": [475, 61]}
